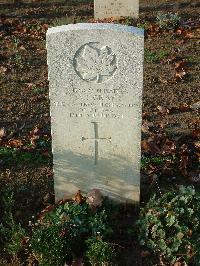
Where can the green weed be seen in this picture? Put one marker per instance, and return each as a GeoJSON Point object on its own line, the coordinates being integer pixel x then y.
{"type": "Point", "coordinates": [63, 233]}
{"type": "Point", "coordinates": [12, 233]}
{"type": "Point", "coordinates": [66, 20]}
{"type": "Point", "coordinates": [155, 160]}
{"type": "Point", "coordinates": [154, 57]}
{"type": "Point", "coordinates": [14, 156]}
{"type": "Point", "coordinates": [168, 21]}
{"type": "Point", "coordinates": [169, 226]}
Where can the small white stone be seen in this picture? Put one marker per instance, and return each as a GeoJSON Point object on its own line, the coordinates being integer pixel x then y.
{"type": "Point", "coordinates": [196, 105]}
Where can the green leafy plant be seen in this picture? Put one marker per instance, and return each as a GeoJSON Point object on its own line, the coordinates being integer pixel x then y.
{"type": "Point", "coordinates": [144, 25]}
{"type": "Point", "coordinates": [168, 21]}
{"type": "Point", "coordinates": [18, 61]}
{"type": "Point", "coordinates": [156, 56]}
{"type": "Point", "coordinates": [169, 226]}
{"type": "Point", "coordinates": [17, 156]}
{"type": "Point", "coordinates": [100, 253]}
{"type": "Point", "coordinates": [12, 234]}
{"type": "Point", "coordinates": [62, 233]}
{"type": "Point", "coordinates": [67, 20]}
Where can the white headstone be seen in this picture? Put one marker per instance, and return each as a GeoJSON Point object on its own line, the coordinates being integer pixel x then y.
{"type": "Point", "coordinates": [116, 8]}
{"type": "Point", "coordinates": [95, 77]}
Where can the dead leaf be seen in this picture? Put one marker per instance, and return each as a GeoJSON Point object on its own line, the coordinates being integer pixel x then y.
{"type": "Point", "coordinates": [180, 64]}
{"type": "Point", "coordinates": [3, 70]}
{"type": "Point", "coordinates": [45, 26]}
{"type": "Point", "coordinates": [15, 143]}
{"type": "Point", "coordinates": [149, 145]}
{"type": "Point", "coordinates": [2, 132]}
{"type": "Point", "coordinates": [79, 198]}
{"type": "Point", "coordinates": [197, 144]}
{"type": "Point", "coordinates": [145, 127]}
{"type": "Point", "coordinates": [77, 262]}
{"type": "Point", "coordinates": [153, 30]}
{"type": "Point", "coordinates": [196, 133]}
{"type": "Point", "coordinates": [22, 47]}
{"type": "Point", "coordinates": [145, 253]}
{"type": "Point", "coordinates": [184, 163]}
{"type": "Point", "coordinates": [169, 147]}
{"type": "Point", "coordinates": [177, 263]}
{"type": "Point", "coordinates": [190, 232]}
{"type": "Point", "coordinates": [46, 153]}
{"type": "Point", "coordinates": [184, 107]}
{"type": "Point", "coordinates": [163, 110]}
{"type": "Point", "coordinates": [180, 74]}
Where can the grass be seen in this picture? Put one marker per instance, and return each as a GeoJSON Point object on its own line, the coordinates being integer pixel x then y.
{"type": "Point", "coordinates": [155, 160]}
{"type": "Point", "coordinates": [155, 57]}
{"type": "Point", "coordinates": [13, 156]}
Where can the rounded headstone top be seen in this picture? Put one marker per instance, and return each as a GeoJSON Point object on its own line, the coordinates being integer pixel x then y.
{"type": "Point", "coordinates": [96, 26]}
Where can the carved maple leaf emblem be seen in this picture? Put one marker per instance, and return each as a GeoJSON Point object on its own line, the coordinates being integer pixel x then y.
{"type": "Point", "coordinates": [95, 63]}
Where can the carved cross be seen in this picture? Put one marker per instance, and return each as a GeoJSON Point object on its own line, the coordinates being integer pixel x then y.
{"type": "Point", "coordinates": [96, 141]}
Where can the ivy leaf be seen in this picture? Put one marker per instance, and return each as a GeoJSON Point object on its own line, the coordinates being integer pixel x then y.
{"type": "Point", "coordinates": [180, 235]}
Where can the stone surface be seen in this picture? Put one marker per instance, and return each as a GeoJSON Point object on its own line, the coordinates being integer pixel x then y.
{"type": "Point", "coordinates": [95, 76]}
{"type": "Point", "coordinates": [116, 8]}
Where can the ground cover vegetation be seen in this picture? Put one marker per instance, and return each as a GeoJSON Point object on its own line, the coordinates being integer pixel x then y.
{"type": "Point", "coordinates": [166, 232]}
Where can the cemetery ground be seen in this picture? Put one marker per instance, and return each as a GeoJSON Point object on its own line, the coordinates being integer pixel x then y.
{"type": "Point", "coordinates": [170, 128]}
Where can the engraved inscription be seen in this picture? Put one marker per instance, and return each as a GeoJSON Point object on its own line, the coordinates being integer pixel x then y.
{"type": "Point", "coordinates": [95, 63]}
{"type": "Point", "coordinates": [96, 141]}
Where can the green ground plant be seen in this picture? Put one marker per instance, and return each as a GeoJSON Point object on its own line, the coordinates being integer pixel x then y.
{"type": "Point", "coordinates": [168, 21]}
{"type": "Point", "coordinates": [154, 56]}
{"type": "Point", "coordinates": [62, 235]}
{"type": "Point", "coordinates": [155, 160]}
{"type": "Point", "coordinates": [67, 20]}
{"type": "Point", "coordinates": [169, 226]}
{"type": "Point", "coordinates": [15, 156]}
{"type": "Point", "coordinates": [11, 233]}
{"type": "Point", "coordinates": [100, 253]}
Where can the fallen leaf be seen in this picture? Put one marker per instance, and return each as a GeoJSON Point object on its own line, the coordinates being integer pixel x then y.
{"type": "Point", "coordinates": [46, 153]}
{"type": "Point", "coordinates": [79, 198]}
{"type": "Point", "coordinates": [184, 163]}
{"type": "Point", "coordinates": [145, 253]}
{"type": "Point", "coordinates": [177, 263]}
{"type": "Point", "coordinates": [22, 48]}
{"type": "Point", "coordinates": [180, 64]}
{"type": "Point", "coordinates": [149, 145]}
{"type": "Point", "coordinates": [196, 133]}
{"type": "Point", "coordinates": [197, 144]}
{"type": "Point", "coordinates": [180, 74]}
{"type": "Point", "coordinates": [162, 110]}
{"type": "Point", "coordinates": [2, 132]}
{"type": "Point", "coordinates": [145, 127]}
{"type": "Point", "coordinates": [184, 107]}
{"type": "Point", "coordinates": [3, 70]}
{"type": "Point", "coordinates": [77, 262]}
{"type": "Point", "coordinates": [169, 147]}
{"type": "Point", "coordinates": [15, 143]}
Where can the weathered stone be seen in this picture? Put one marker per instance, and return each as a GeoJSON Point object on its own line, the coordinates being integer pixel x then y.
{"type": "Point", "coordinates": [116, 8]}
{"type": "Point", "coordinates": [95, 76]}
